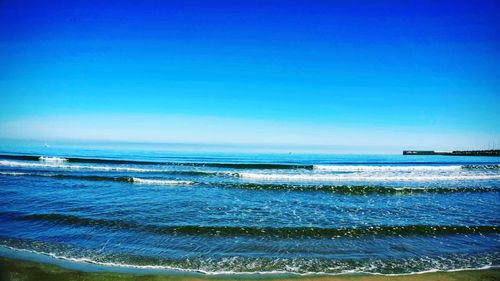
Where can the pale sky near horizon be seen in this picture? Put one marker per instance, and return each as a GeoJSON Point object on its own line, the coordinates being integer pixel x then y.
{"type": "Point", "coordinates": [394, 74]}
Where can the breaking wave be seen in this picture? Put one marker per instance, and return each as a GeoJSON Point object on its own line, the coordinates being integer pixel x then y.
{"type": "Point", "coordinates": [338, 189]}
{"type": "Point", "coordinates": [342, 177]}
{"type": "Point", "coordinates": [108, 168]}
{"type": "Point", "coordinates": [53, 159]}
{"type": "Point", "coordinates": [357, 168]}
{"type": "Point", "coordinates": [103, 178]}
{"type": "Point", "coordinates": [297, 266]}
{"type": "Point", "coordinates": [137, 162]}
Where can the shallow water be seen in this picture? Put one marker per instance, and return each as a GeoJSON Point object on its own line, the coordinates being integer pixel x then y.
{"type": "Point", "coordinates": [228, 212]}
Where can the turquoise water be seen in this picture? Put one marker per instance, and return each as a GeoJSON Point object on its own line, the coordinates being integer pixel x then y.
{"type": "Point", "coordinates": [250, 213]}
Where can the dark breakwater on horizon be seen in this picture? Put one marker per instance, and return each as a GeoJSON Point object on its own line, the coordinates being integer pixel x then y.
{"type": "Point", "coordinates": [252, 213]}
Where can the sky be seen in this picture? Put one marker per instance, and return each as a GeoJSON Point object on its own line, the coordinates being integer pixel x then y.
{"type": "Point", "coordinates": [387, 74]}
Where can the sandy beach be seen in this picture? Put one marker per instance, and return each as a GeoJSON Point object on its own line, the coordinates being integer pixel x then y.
{"type": "Point", "coordinates": [23, 270]}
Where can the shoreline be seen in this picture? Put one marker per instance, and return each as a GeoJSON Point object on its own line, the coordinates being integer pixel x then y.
{"type": "Point", "coordinates": [18, 269]}
{"type": "Point", "coordinates": [88, 266]}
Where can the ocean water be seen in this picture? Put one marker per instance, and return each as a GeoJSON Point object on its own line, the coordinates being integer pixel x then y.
{"type": "Point", "coordinates": [227, 213]}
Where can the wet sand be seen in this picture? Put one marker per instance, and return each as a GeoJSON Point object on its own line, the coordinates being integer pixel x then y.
{"type": "Point", "coordinates": [11, 269]}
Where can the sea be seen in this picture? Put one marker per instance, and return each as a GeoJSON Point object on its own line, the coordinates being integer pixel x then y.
{"type": "Point", "coordinates": [140, 208]}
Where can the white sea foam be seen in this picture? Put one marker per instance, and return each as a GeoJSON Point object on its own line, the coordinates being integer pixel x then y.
{"type": "Point", "coordinates": [355, 168]}
{"type": "Point", "coordinates": [13, 174]}
{"type": "Point", "coordinates": [363, 177]}
{"type": "Point", "coordinates": [161, 182]}
{"type": "Point", "coordinates": [134, 179]}
{"type": "Point", "coordinates": [53, 159]}
{"type": "Point", "coordinates": [75, 167]}
{"type": "Point", "coordinates": [362, 270]}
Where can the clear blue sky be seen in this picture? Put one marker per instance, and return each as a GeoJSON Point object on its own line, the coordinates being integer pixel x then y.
{"type": "Point", "coordinates": [398, 74]}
